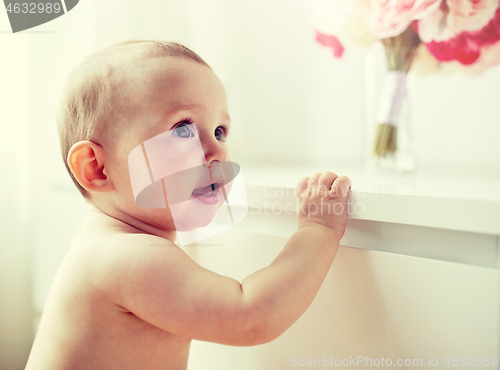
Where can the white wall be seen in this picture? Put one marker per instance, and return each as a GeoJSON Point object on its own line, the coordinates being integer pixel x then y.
{"type": "Point", "coordinates": [294, 102]}
{"type": "Point", "coordinates": [289, 99]}
{"type": "Point", "coordinates": [15, 206]}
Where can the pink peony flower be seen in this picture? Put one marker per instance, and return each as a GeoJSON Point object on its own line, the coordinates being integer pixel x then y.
{"type": "Point", "coordinates": [346, 19]}
{"type": "Point", "coordinates": [391, 17]}
{"type": "Point", "coordinates": [461, 48]}
{"type": "Point", "coordinates": [467, 47]}
{"type": "Point", "coordinates": [457, 33]}
{"type": "Point", "coordinates": [470, 15]}
{"type": "Point", "coordinates": [490, 57]}
{"type": "Point", "coordinates": [454, 17]}
{"type": "Point", "coordinates": [331, 42]}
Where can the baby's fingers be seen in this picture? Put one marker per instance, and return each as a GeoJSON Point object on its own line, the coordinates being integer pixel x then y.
{"type": "Point", "coordinates": [313, 184]}
{"type": "Point", "coordinates": [341, 187]}
{"type": "Point", "coordinates": [302, 186]}
{"type": "Point", "coordinates": [325, 182]}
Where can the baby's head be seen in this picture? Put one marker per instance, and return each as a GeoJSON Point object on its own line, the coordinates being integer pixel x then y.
{"type": "Point", "coordinates": [120, 97]}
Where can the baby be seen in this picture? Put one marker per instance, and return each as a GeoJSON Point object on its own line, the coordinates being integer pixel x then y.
{"type": "Point", "coordinates": [127, 297]}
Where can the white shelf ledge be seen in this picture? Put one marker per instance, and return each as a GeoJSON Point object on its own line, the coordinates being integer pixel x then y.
{"type": "Point", "coordinates": [451, 199]}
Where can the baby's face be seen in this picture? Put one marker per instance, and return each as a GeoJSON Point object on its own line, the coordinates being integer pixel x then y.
{"type": "Point", "coordinates": [169, 94]}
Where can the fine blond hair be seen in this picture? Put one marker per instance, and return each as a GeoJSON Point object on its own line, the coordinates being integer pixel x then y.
{"type": "Point", "coordinates": [93, 88]}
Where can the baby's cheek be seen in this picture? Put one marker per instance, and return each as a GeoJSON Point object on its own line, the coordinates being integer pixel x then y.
{"type": "Point", "coordinates": [184, 158]}
{"type": "Point", "coordinates": [119, 174]}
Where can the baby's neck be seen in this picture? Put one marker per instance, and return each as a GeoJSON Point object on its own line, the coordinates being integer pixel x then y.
{"type": "Point", "coordinates": [117, 217]}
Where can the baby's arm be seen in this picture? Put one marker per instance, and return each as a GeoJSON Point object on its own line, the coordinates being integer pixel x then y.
{"type": "Point", "coordinates": [288, 286]}
{"type": "Point", "coordinates": [170, 291]}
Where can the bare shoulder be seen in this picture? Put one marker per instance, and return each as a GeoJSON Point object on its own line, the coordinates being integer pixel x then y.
{"type": "Point", "coordinates": [115, 257]}
{"type": "Point", "coordinates": [156, 281]}
{"type": "Point", "coordinates": [84, 317]}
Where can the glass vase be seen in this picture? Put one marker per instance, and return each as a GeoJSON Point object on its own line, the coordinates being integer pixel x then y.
{"type": "Point", "coordinates": [389, 142]}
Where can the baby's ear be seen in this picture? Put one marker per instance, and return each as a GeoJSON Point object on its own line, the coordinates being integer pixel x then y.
{"type": "Point", "coordinates": [87, 161]}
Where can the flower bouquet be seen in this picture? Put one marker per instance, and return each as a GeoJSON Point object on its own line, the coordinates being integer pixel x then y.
{"type": "Point", "coordinates": [421, 35]}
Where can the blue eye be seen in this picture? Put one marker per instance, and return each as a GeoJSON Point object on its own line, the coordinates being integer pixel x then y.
{"type": "Point", "coordinates": [220, 133]}
{"type": "Point", "coordinates": [182, 131]}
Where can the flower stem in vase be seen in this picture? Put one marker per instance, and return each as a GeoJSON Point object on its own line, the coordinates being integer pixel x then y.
{"type": "Point", "coordinates": [399, 52]}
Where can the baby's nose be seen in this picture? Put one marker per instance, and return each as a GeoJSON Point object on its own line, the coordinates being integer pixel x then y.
{"type": "Point", "coordinates": [216, 153]}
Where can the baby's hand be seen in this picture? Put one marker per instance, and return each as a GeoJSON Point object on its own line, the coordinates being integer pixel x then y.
{"type": "Point", "coordinates": [323, 202]}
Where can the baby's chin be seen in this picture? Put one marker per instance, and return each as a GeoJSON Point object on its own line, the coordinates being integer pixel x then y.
{"type": "Point", "coordinates": [193, 214]}
{"type": "Point", "coordinates": [185, 216]}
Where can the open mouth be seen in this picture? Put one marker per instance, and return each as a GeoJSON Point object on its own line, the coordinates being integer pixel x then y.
{"type": "Point", "coordinates": [207, 191]}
